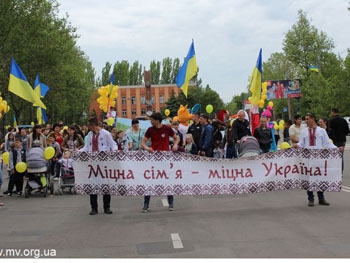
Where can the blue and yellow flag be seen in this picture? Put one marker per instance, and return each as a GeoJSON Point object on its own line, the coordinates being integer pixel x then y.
{"type": "Point", "coordinates": [187, 71]}
{"type": "Point", "coordinates": [20, 86]}
{"type": "Point", "coordinates": [40, 88]}
{"type": "Point", "coordinates": [41, 115]}
{"type": "Point", "coordinates": [14, 121]}
{"type": "Point", "coordinates": [256, 81]}
{"type": "Point", "coordinates": [313, 68]}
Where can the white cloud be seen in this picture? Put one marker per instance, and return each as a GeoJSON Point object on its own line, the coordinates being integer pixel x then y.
{"type": "Point", "coordinates": [227, 34]}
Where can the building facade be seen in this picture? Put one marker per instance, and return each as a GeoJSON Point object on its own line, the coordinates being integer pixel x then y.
{"type": "Point", "coordinates": [131, 101]}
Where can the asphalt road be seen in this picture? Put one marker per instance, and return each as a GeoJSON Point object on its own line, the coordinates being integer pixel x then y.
{"type": "Point", "coordinates": [265, 225]}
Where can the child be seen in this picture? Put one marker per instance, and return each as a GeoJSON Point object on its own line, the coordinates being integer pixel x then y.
{"type": "Point", "coordinates": [123, 141]}
{"type": "Point", "coordinates": [54, 165]}
{"type": "Point", "coordinates": [217, 152]}
{"type": "Point", "coordinates": [17, 154]}
{"type": "Point", "coordinates": [66, 163]}
{"type": "Point", "coordinates": [190, 146]}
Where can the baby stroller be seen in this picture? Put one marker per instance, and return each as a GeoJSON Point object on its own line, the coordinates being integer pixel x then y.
{"type": "Point", "coordinates": [38, 177]}
{"type": "Point", "coordinates": [67, 179]}
{"type": "Point", "coordinates": [248, 146]}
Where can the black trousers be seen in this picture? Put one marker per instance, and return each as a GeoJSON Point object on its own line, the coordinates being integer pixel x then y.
{"type": "Point", "coordinates": [106, 202]}
{"type": "Point", "coordinates": [16, 179]}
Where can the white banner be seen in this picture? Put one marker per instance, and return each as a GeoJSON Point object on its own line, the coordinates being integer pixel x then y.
{"type": "Point", "coordinates": [167, 173]}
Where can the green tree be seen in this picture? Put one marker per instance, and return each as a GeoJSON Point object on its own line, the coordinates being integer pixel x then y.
{"type": "Point", "coordinates": [305, 46]}
{"type": "Point", "coordinates": [166, 72]}
{"type": "Point", "coordinates": [135, 74]}
{"type": "Point", "coordinates": [121, 73]}
{"type": "Point", "coordinates": [32, 32]}
{"type": "Point", "coordinates": [278, 67]}
{"type": "Point", "coordinates": [155, 71]}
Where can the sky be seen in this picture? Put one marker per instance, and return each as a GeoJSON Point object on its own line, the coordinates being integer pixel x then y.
{"type": "Point", "coordinates": [227, 34]}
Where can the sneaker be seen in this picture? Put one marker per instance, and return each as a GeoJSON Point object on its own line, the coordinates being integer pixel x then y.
{"type": "Point", "coordinates": [9, 194]}
{"type": "Point", "coordinates": [145, 209]}
{"type": "Point", "coordinates": [56, 179]}
{"type": "Point", "coordinates": [323, 202]}
{"type": "Point", "coordinates": [19, 193]}
{"type": "Point", "coordinates": [6, 192]}
{"type": "Point", "coordinates": [311, 203]}
{"type": "Point", "coordinates": [171, 207]}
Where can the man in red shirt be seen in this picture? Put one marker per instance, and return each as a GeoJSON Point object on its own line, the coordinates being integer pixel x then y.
{"type": "Point", "coordinates": [159, 135]}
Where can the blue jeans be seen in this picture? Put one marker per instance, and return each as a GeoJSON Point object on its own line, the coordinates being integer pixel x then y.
{"type": "Point", "coordinates": [310, 195]}
{"type": "Point", "coordinates": [148, 198]}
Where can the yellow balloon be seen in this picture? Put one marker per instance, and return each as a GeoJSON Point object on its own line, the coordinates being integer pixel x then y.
{"type": "Point", "coordinates": [284, 145]}
{"type": "Point", "coordinates": [271, 103]}
{"type": "Point", "coordinates": [32, 123]}
{"type": "Point", "coordinates": [110, 121]}
{"type": "Point", "coordinates": [21, 167]}
{"type": "Point", "coordinates": [49, 153]}
{"type": "Point", "coordinates": [6, 157]}
{"type": "Point", "coordinates": [167, 112]}
{"type": "Point", "coordinates": [209, 108]}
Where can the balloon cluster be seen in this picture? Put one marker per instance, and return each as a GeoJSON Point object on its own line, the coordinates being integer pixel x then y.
{"type": "Point", "coordinates": [3, 106]}
{"type": "Point", "coordinates": [261, 102]}
{"type": "Point", "coordinates": [108, 93]}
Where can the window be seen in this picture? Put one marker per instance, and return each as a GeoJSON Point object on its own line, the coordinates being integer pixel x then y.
{"type": "Point", "coordinates": [143, 111]}
{"type": "Point", "coordinates": [123, 112]}
{"type": "Point", "coordinates": [161, 99]}
{"type": "Point", "coordinates": [123, 100]}
{"type": "Point", "coordinates": [133, 100]}
{"type": "Point", "coordinates": [133, 112]}
{"type": "Point", "coordinates": [143, 100]}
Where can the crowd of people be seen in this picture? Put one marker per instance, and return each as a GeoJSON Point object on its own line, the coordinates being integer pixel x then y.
{"type": "Point", "coordinates": [215, 138]}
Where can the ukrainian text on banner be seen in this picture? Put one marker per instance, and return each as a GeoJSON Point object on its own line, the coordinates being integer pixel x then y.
{"type": "Point", "coordinates": [166, 173]}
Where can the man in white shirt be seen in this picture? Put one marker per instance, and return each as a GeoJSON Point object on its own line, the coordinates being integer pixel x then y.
{"type": "Point", "coordinates": [99, 139]}
{"type": "Point", "coordinates": [314, 137]}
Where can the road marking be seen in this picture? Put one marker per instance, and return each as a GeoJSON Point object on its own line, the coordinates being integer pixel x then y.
{"type": "Point", "coordinates": [176, 240]}
{"type": "Point", "coordinates": [165, 202]}
{"type": "Point", "coordinates": [345, 188]}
